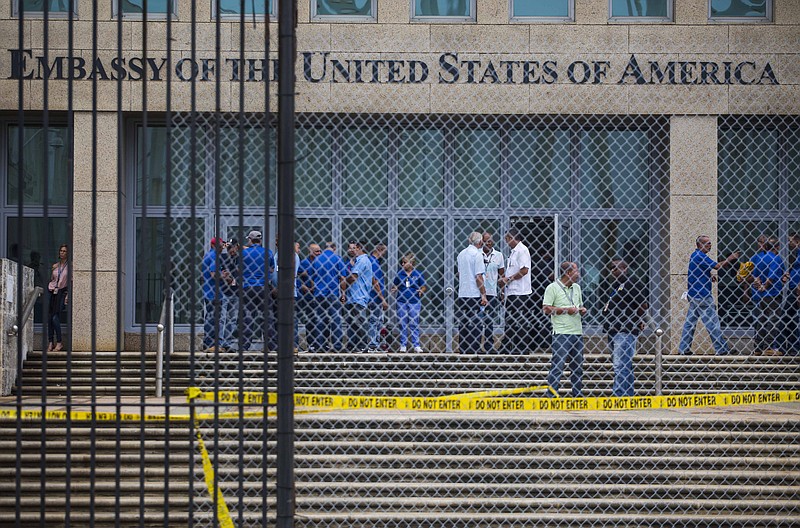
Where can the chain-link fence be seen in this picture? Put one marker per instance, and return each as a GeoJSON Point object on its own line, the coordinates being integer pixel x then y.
{"type": "Point", "coordinates": [480, 279]}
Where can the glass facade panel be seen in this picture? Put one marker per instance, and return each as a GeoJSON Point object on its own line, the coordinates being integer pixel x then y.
{"type": "Point", "coordinates": [257, 147]}
{"type": "Point", "coordinates": [614, 169]}
{"type": "Point", "coordinates": [429, 256]}
{"type": "Point", "coordinates": [312, 231]}
{"type": "Point", "coordinates": [45, 159]}
{"type": "Point", "coordinates": [421, 168]}
{"type": "Point", "coordinates": [153, 157]}
{"type": "Point", "coordinates": [38, 248]}
{"type": "Point", "coordinates": [601, 242]}
{"type": "Point", "coordinates": [540, 8]}
{"type": "Point", "coordinates": [793, 169]}
{"type": "Point", "coordinates": [639, 8]}
{"type": "Point", "coordinates": [740, 9]}
{"type": "Point", "coordinates": [443, 8]}
{"type": "Point", "coordinates": [748, 169]}
{"type": "Point", "coordinates": [365, 179]}
{"type": "Point", "coordinates": [136, 7]}
{"type": "Point", "coordinates": [54, 6]}
{"type": "Point", "coordinates": [314, 169]}
{"type": "Point", "coordinates": [150, 273]}
{"type": "Point", "coordinates": [344, 7]}
{"type": "Point", "coordinates": [539, 168]}
{"type": "Point", "coordinates": [477, 168]}
{"type": "Point", "coordinates": [234, 7]}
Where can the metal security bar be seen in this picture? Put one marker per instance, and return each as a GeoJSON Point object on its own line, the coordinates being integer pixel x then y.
{"type": "Point", "coordinates": [447, 264]}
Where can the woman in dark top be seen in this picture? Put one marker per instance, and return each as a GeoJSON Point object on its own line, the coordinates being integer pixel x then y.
{"type": "Point", "coordinates": [59, 290]}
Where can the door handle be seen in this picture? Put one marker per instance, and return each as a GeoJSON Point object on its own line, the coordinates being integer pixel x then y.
{"type": "Point", "coordinates": [449, 290]}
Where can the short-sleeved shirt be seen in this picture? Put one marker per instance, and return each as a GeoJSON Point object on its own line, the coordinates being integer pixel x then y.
{"type": "Point", "coordinates": [358, 292]}
{"type": "Point", "coordinates": [409, 286]}
{"type": "Point", "coordinates": [519, 258]}
{"type": "Point", "coordinates": [305, 270]}
{"type": "Point", "coordinates": [556, 294]}
{"type": "Point", "coordinates": [256, 263]}
{"type": "Point", "coordinates": [377, 272]}
{"type": "Point", "coordinates": [794, 272]}
{"type": "Point", "coordinates": [296, 271]}
{"type": "Point", "coordinates": [493, 263]}
{"type": "Point", "coordinates": [770, 266]}
{"type": "Point", "coordinates": [209, 268]}
{"type": "Point", "coordinates": [699, 278]}
{"type": "Point", "coordinates": [470, 265]}
{"type": "Point", "coordinates": [326, 270]}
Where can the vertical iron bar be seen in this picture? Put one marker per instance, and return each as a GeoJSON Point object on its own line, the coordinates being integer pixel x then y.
{"type": "Point", "coordinates": [240, 502]}
{"type": "Point", "coordinates": [120, 342]}
{"type": "Point", "coordinates": [70, 219]}
{"type": "Point", "coordinates": [93, 289]}
{"type": "Point", "coordinates": [285, 434]}
{"type": "Point", "coordinates": [168, 338]}
{"type": "Point", "coordinates": [145, 198]}
{"type": "Point", "coordinates": [265, 358]}
{"type": "Point", "coordinates": [192, 238]}
{"type": "Point", "coordinates": [45, 200]}
{"type": "Point", "coordinates": [20, 159]}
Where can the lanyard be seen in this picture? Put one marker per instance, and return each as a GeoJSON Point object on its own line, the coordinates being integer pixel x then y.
{"type": "Point", "coordinates": [569, 295]}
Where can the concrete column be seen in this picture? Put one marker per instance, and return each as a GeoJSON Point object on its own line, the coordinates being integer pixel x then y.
{"type": "Point", "coordinates": [693, 211]}
{"type": "Point", "coordinates": [105, 189]}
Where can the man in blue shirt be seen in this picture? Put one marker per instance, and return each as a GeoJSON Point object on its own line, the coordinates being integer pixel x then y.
{"type": "Point", "coordinates": [327, 271]}
{"type": "Point", "coordinates": [792, 279]}
{"type": "Point", "coordinates": [212, 295]}
{"type": "Point", "coordinates": [701, 302]}
{"type": "Point", "coordinates": [765, 292]}
{"type": "Point", "coordinates": [305, 304]}
{"type": "Point", "coordinates": [377, 298]}
{"type": "Point", "coordinates": [257, 265]}
{"type": "Point", "coordinates": [356, 289]}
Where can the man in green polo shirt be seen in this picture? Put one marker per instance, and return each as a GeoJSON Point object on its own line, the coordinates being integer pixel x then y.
{"type": "Point", "coordinates": [563, 302]}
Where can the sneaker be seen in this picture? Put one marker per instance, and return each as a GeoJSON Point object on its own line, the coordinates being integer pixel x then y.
{"type": "Point", "coordinates": [772, 352]}
{"type": "Point", "coordinates": [403, 349]}
{"type": "Point", "coordinates": [372, 350]}
{"type": "Point", "coordinates": [417, 349]}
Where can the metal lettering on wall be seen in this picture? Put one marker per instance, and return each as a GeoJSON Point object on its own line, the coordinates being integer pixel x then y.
{"type": "Point", "coordinates": [448, 69]}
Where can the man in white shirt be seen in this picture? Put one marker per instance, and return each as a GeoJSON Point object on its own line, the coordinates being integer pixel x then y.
{"type": "Point", "coordinates": [471, 295]}
{"type": "Point", "coordinates": [517, 289]}
{"type": "Point", "coordinates": [494, 262]}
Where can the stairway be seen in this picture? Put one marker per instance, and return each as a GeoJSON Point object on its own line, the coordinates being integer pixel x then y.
{"type": "Point", "coordinates": [733, 468]}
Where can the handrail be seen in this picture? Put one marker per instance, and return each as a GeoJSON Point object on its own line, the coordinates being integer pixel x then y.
{"type": "Point", "coordinates": [27, 309]}
{"type": "Point", "coordinates": [658, 358]}
{"type": "Point", "coordinates": [165, 321]}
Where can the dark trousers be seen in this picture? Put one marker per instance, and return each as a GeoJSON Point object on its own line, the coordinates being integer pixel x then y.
{"type": "Point", "coordinates": [56, 306]}
{"type": "Point", "coordinates": [768, 317]}
{"type": "Point", "coordinates": [470, 324]}
{"type": "Point", "coordinates": [253, 327]}
{"type": "Point", "coordinates": [327, 323]}
{"type": "Point", "coordinates": [356, 318]}
{"type": "Point", "coordinates": [518, 323]}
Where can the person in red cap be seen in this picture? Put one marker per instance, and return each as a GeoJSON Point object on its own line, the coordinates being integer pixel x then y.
{"type": "Point", "coordinates": [212, 294]}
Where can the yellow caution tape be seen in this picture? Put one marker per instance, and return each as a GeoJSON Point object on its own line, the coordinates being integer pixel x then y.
{"type": "Point", "coordinates": [223, 514]}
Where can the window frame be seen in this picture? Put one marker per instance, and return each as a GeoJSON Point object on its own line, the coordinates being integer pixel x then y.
{"type": "Point", "coordinates": [669, 19]}
{"type": "Point", "coordinates": [15, 10]}
{"type": "Point", "coordinates": [768, 19]}
{"type": "Point", "coordinates": [272, 17]}
{"type": "Point", "coordinates": [427, 19]}
{"type": "Point", "coordinates": [115, 13]}
{"type": "Point", "coordinates": [541, 19]}
{"type": "Point", "coordinates": [363, 19]}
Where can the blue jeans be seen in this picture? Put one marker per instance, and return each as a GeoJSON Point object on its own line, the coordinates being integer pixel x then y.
{"type": "Point", "coordinates": [705, 310]}
{"type": "Point", "coordinates": [327, 323]}
{"type": "Point", "coordinates": [228, 318]}
{"type": "Point", "coordinates": [211, 323]}
{"type": "Point", "coordinates": [356, 319]}
{"type": "Point", "coordinates": [375, 317]}
{"type": "Point", "coordinates": [408, 320]}
{"type": "Point", "coordinates": [623, 348]}
{"type": "Point", "coordinates": [567, 347]}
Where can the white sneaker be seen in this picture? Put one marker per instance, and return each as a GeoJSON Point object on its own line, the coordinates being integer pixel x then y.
{"type": "Point", "coordinates": [403, 349]}
{"type": "Point", "coordinates": [417, 349]}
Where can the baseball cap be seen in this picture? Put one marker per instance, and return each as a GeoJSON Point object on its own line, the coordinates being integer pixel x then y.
{"type": "Point", "coordinates": [233, 242]}
{"type": "Point", "coordinates": [254, 235]}
{"type": "Point", "coordinates": [217, 240]}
